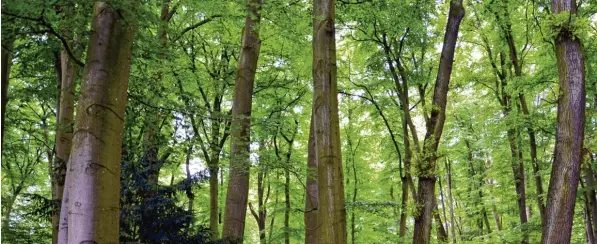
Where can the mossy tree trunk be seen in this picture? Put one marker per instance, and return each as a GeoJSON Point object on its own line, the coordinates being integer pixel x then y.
{"type": "Point", "coordinates": [561, 196]}
{"type": "Point", "coordinates": [427, 167]}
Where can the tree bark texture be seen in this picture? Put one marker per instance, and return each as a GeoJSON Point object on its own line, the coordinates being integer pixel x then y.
{"type": "Point", "coordinates": [93, 173]}
{"type": "Point", "coordinates": [331, 219]}
{"type": "Point", "coordinates": [238, 185]}
{"type": "Point", "coordinates": [435, 124]}
{"type": "Point", "coordinates": [565, 172]}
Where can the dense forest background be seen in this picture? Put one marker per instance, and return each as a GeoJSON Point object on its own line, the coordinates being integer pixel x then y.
{"type": "Point", "coordinates": [491, 171]}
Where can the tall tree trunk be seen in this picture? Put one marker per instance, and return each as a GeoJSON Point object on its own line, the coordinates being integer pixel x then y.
{"type": "Point", "coordinates": [331, 221]}
{"type": "Point", "coordinates": [94, 167]}
{"type": "Point", "coordinates": [213, 197]}
{"type": "Point", "coordinates": [518, 172]}
{"type": "Point", "coordinates": [513, 54]}
{"type": "Point", "coordinates": [311, 191]}
{"type": "Point", "coordinates": [238, 185]}
{"type": "Point", "coordinates": [534, 160]}
{"type": "Point", "coordinates": [214, 168]}
{"type": "Point", "coordinates": [287, 166]}
{"type": "Point", "coordinates": [64, 133]}
{"type": "Point", "coordinates": [435, 125]}
{"type": "Point", "coordinates": [563, 183]}
{"type": "Point", "coordinates": [7, 46]}
{"type": "Point", "coordinates": [505, 100]}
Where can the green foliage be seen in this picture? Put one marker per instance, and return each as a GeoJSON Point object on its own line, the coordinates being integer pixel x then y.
{"type": "Point", "coordinates": [180, 95]}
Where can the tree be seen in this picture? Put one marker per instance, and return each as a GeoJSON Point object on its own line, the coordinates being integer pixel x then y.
{"type": "Point", "coordinates": [331, 216]}
{"type": "Point", "coordinates": [561, 195]}
{"type": "Point", "coordinates": [64, 125]}
{"type": "Point", "coordinates": [94, 166]}
{"type": "Point", "coordinates": [426, 168]}
{"type": "Point", "coordinates": [238, 185]}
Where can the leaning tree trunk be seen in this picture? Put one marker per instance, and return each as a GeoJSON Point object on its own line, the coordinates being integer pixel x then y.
{"type": "Point", "coordinates": [435, 125]}
{"type": "Point", "coordinates": [238, 185]}
{"type": "Point", "coordinates": [94, 167]}
{"type": "Point", "coordinates": [561, 196]}
{"type": "Point", "coordinates": [331, 219]}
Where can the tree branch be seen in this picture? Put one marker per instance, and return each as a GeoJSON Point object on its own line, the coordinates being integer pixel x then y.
{"type": "Point", "coordinates": [192, 27]}
{"type": "Point", "coordinates": [49, 30]}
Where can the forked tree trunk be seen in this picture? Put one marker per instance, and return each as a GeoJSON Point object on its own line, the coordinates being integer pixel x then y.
{"type": "Point", "coordinates": [93, 176]}
{"type": "Point", "coordinates": [331, 219]}
{"type": "Point", "coordinates": [561, 196]}
{"type": "Point", "coordinates": [238, 185]}
{"type": "Point", "coordinates": [435, 124]}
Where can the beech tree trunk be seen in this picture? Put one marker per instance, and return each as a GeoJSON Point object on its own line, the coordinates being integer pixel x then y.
{"type": "Point", "coordinates": [565, 172]}
{"type": "Point", "coordinates": [331, 219]}
{"type": "Point", "coordinates": [435, 124]}
{"type": "Point", "coordinates": [93, 183]}
{"type": "Point", "coordinates": [64, 133]}
{"type": "Point", "coordinates": [238, 185]}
